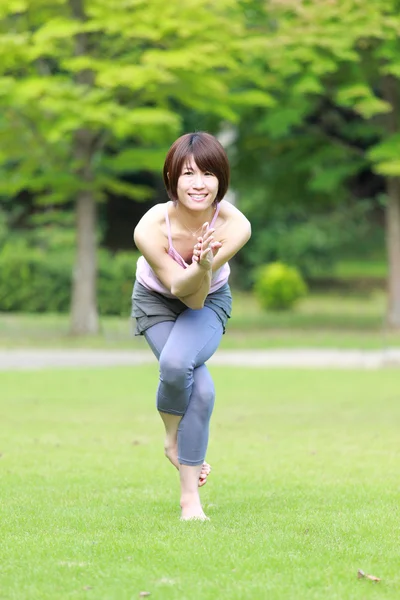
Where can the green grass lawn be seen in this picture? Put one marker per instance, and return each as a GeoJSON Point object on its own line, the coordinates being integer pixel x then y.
{"type": "Point", "coordinates": [304, 489]}
{"type": "Point", "coordinates": [375, 267]}
{"type": "Point", "coordinates": [321, 320]}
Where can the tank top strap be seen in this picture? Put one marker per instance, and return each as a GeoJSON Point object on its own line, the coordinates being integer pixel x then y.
{"type": "Point", "coordinates": [215, 215]}
{"type": "Point", "coordinates": [168, 226]}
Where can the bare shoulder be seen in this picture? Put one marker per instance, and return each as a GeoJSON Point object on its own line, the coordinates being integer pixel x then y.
{"type": "Point", "coordinates": [232, 217]}
{"type": "Point", "coordinates": [233, 230]}
{"type": "Point", "coordinates": [151, 227]}
{"type": "Point", "coordinates": [154, 216]}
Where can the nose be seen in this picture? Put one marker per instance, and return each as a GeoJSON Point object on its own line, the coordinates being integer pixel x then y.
{"type": "Point", "coordinates": [198, 181]}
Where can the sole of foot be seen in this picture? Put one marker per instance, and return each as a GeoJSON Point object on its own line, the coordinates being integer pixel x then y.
{"type": "Point", "coordinates": [205, 471]}
{"type": "Point", "coordinates": [194, 514]}
{"type": "Point", "coordinates": [195, 518]}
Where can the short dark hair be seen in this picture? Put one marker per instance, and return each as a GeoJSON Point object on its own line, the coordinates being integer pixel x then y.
{"type": "Point", "coordinates": [208, 154]}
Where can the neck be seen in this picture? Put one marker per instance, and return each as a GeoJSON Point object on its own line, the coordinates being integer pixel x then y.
{"type": "Point", "coordinates": [194, 220]}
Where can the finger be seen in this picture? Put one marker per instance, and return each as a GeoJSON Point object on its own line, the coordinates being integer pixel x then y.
{"type": "Point", "coordinates": [207, 242]}
{"type": "Point", "coordinates": [208, 234]}
{"type": "Point", "coordinates": [204, 253]}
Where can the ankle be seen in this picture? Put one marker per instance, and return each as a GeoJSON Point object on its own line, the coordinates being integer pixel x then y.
{"type": "Point", "coordinates": [190, 499]}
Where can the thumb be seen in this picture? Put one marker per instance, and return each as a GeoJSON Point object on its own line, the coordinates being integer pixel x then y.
{"type": "Point", "coordinates": [215, 246]}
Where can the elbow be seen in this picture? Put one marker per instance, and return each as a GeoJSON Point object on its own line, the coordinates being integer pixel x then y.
{"type": "Point", "coordinates": [193, 304]}
{"type": "Point", "coordinates": [197, 306]}
{"type": "Point", "coordinates": [136, 238]}
{"type": "Point", "coordinates": [248, 232]}
{"type": "Point", "coordinates": [175, 291]}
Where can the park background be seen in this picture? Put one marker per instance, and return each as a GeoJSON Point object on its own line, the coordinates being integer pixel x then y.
{"type": "Point", "coordinates": [304, 95]}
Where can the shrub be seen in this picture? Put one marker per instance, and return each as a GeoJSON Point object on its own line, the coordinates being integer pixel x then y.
{"type": "Point", "coordinates": [116, 275]}
{"type": "Point", "coordinates": [278, 286]}
{"type": "Point", "coordinates": [38, 280]}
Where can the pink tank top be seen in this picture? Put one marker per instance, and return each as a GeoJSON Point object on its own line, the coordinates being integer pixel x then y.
{"type": "Point", "coordinates": [146, 276]}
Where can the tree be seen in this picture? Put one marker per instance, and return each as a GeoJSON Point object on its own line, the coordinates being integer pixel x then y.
{"type": "Point", "coordinates": [334, 68]}
{"type": "Point", "coordinates": [92, 89]}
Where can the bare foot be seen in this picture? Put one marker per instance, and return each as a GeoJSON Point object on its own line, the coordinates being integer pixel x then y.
{"type": "Point", "coordinates": [192, 509]}
{"type": "Point", "coordinates": [205, 471]}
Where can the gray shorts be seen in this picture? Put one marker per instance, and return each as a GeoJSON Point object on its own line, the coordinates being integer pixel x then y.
{"type": "Point", "coordinates": [149, 308]}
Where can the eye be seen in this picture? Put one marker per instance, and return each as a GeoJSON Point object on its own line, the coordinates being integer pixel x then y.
{"type": "Point", "coordinates": [209, 174]}
{"type": "Point", "coordinates": [187, 172]}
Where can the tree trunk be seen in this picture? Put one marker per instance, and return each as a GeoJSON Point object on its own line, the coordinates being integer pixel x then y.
{"type": "Point", "coordinates": [84, 315]}
{"type": "Point", "coordinates": [390, 88]}
{"type": "Point", "coordinates": [393, 250]}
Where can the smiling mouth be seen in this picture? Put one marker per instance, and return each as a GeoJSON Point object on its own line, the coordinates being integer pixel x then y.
{"type": "Point", "coordinates": [198, 196]}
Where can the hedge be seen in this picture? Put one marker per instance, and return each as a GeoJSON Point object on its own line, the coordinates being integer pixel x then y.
{"type": "Point", "coordinates": [34, 280]}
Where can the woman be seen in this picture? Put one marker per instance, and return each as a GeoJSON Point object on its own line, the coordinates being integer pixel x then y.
{"type": "Point", "coordinates": [182, 300]}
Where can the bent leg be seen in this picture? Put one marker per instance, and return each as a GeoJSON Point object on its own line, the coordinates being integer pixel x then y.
{"type": "Point", "coordinates": [156, 336]}
{"type": "Point", "coordinates": [193, 430]}
{"type": "Point", "coordinates": [193, 340]}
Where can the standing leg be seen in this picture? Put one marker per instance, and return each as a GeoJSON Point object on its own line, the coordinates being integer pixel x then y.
{"type": "Point", "coordinates": [193, 429]}
{"type": "Point", "coordinates": [193, 433]}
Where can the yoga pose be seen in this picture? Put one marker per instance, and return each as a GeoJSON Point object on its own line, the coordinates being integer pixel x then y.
{"type": "Point", "coordinates": [182, 300]}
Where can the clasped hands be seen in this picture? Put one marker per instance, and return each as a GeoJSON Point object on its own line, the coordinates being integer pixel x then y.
{"type": "Point", "coordinates": [206, 248]}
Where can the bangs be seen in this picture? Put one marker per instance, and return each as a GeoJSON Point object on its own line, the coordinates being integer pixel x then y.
{"type": "Point", "coordinates": [203, 155]}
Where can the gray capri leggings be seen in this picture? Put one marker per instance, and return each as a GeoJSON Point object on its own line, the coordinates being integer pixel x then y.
{"type": "Point", "coordinates": [186, 387]}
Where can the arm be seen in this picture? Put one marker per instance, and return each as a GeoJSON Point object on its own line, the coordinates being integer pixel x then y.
{"type": "Point", "coordinates": [196, 300]}
{"type": "Point", "coordinates": [149, 240]}
{"type": "Point", "coordinates": [183, 285]}
{"type": "Point", "coordinates": [188, 281]}
{"type": "Point", "coordinates": [236, 234]}
{"type": "Point", "coordinates": [203, 256]}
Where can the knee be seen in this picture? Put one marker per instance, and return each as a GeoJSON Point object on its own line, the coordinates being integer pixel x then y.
{"type": "Point", "coordinates": [204, 400]}
{"type": "Point", "coordinates": [175, 371]}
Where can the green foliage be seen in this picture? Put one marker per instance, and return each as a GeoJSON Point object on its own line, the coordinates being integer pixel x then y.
{"type": "Point", "coordinates": [303, 161]}
{"type": "Point", "coordinates": [332, 71]}
{"type": "Point", "coordinates": [34, 279]}
{"type": "Point", "coordinates": [3, 227]}
{"type": "Point", "coordinates": [279, 287]}
{"type": "Point", "coordinates": [85, 81]}
{"type": "Point", "coordinates": [116, 274]}
{"type": "Point", "coordinates": [311, 240]}
{"type": "Point", "coordinates": [125, 89]}
{"type": "Point", "coordinates": [346, 53]}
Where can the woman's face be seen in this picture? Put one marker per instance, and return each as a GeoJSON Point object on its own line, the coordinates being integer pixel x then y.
{"type": "Point", "coordinates": [196, 189]}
